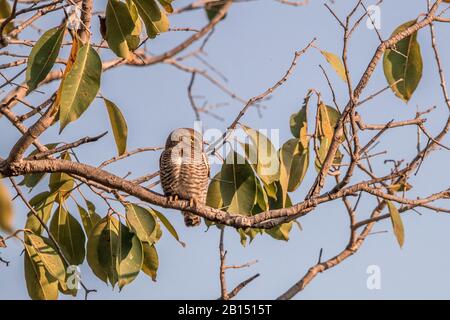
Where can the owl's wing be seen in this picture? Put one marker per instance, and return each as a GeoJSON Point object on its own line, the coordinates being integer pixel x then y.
{"type": "Point", "coordinates": [206, 162]}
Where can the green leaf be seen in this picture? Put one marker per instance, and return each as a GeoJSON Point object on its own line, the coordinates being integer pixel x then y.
{"type": "Point", "coordinates": [277, 202]}
{"type": "Point", "coordinates": [80, 86]}
{"type": "Point", "coordinates": [397, 223]}
{"type": "Point", "coordinates": [31, 180]}
{"type": "Point", "coordinates": [294, 164]}
{"type": "Point", "coordinates": [336, 64]}
{"type": "Point", "coordinates": [280, 232]}
{"type": "Point", "coordinates": [168, 226]}
{"type": "Point", "coordinates": [403, 62]}
{"type": "Point", "coordinates": [43, 205]}
{"type": "Point", "coordinates": [131, 256]}
{"type": "Point", "coordinates": [298, 122]}
{"type": "Point", "coordinates": [268, 164]}
{"type": "Point", "coordinates": [5, 12]}
{"type": "Point", "coordinates": [133, 39]}
{"type": "Point", "coordinates": [142, 222]}
{"type": "Point", "coordinates": [151, 261]}
{"type": "Point", "coordinates": [40, 284]}
{"type": "Point", "coordinates": [43, 56]}
{"type": "Point", "coordinates": [238, 185]}
{"type": "Point", "coordinates": [6, 209]}
{"type": "Point", "coordinates": [69, 234]}
{"type": "Point", "coordinates": [89, 217]}
{"type": "Point", "coordinates": [271, 190]}
{"type": "Point", "coordinates": [212, 9]}
{"type": "Point", "coordinates": [213, 196]}
{"type": "Point", "coordinates": [243, 237]}
{"type": "Point", "coordinates": [252, 233]}
{"type": "Point", "coordinates": [92, 249]}
{"type": "Point", "coordinates": [108, 250]}
{"type": "Point", "coordinates": [321, 153]}
{"type": "Point", "coordinates": [48, 255]}
{"type": "Point", "coordinates": [118, 125]}
{"type": "Point", "coordinates": [61, 182]}
{"type": "Point", "coordinates": [154, 19]}
{"type": "Point", "coordinates": [262, 200]}
{"type": "Point", "coordinates": [119, 26]}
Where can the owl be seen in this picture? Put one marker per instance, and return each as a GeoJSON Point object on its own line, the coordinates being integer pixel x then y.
{"type": "Point", "coordinates": [184, 170]}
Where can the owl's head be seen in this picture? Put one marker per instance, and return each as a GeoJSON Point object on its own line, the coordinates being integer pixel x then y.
{"type": "Point", "coordinates": [186, 136]}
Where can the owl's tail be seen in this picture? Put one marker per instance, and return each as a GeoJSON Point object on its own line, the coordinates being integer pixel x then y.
{"type": "Point", "coordinates": [190, 219]}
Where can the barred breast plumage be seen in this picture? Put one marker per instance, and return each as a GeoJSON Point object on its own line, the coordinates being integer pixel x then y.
{"type": "Point", "coordinates": [184, 169]}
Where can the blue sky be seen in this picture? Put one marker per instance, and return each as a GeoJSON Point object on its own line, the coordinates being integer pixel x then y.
{"type": "Point", "coordinates": [253, 47]}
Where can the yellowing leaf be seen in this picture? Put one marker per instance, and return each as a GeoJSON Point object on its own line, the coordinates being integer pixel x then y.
{"type": "Point", "coordinates": [40, 284]}
{"type": "Point", "coordinates": [328, 119]}
{"type": "Point", "coordinates": [43, 56]}
{"type": "Point", "coordinates": [403, 64]}
{"type": "Point", "coordinates": [402, 186]}
{"type": "Point", "coordinates": [119, 26]}
{"type": "Point", "coordinates": [267, 162]}
{"type": "Point", "coordinates": [48, 255]}
{"type": "Point", "coordinates": [6, 209]}
{"type": "Point", "coordinates": [167, 5]}
{"type": "Point", "coordinates": [336, 64]}
{"type": "Point", "coordinates": [154, 19]}
{"type": "Point", "coordinates": [151, 261]}
{"type": "Point", "coordinates": [43, 205]}
{"type": "Point", "coordinates": [397, 223]}
{"type": "Point", "coordinates": [298, 122]}
{"type": "Point", "coordinates": [69, 65]}
{"type": "Point", "coordinates": [80, 86]}
{"type": "Point", "coordinates": [118, 125]}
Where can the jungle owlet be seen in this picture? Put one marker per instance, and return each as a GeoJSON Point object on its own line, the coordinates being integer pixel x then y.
{"type": "Point", "coordinates": [184, 170]}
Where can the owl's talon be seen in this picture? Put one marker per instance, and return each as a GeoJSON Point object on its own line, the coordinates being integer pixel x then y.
{"type": "Point", "coordinates": [193, 203]}
{"type": "Point", "coordinates": [175, 197]}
